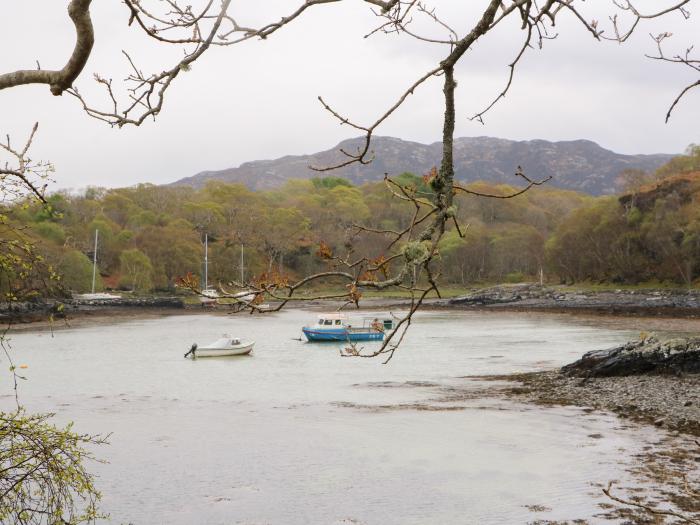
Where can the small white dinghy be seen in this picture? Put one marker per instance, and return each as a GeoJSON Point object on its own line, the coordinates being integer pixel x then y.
{"type": "Point", "coordinates": [224, 346]}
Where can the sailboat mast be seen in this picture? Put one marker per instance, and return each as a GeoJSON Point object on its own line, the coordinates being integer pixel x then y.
{"type": "Point", "coordinates": [242, 264]}
{"type": "Point", "coordinates": [94, 261]}
{"type": "Point", "coordinates": [206, 261]}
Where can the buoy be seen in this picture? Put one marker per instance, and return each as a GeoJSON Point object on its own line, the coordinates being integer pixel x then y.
{"type": "Point", "coordinates": [23, 366]}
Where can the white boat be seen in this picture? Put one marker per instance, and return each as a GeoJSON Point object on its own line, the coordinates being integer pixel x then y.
{"type": "Point", "coordinates": [224, 346]}
{"type": "Point", "coordinates": [246, 296]}
{"type": "Point", "coordinates": [99, 296]}
{"type": "Point", "coordinates": [209, 296]}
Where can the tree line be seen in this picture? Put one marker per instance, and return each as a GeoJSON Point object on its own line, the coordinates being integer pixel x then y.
{"type": "Point", "coordinates": [150, 236]}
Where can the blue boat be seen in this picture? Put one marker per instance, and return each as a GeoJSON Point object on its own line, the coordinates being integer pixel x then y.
{"type": "Point", "coordinates": [336, 327]}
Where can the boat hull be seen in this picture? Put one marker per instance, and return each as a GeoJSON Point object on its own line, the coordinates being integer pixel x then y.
{"type": "Point", "coordinates": [341, 334]}
{"type": "Point", "coordinates": [221, 352]}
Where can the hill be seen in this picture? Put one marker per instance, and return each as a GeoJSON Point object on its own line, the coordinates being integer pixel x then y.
{"type": "Point", "coordinates": [579, 165]}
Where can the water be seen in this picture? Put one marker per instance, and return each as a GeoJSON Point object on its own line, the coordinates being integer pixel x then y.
{"type": "Point", "coordinates": [296, 434]}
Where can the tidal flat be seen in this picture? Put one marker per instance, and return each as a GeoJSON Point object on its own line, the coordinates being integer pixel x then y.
{"type": "Point", "coordinates": [295, 434]}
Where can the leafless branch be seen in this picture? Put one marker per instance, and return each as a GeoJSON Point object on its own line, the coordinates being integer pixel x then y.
{"type": "Point", "coordinates": [23, 174]}
{"type": "Point", "coordinates": [61, 80]}
{"type": "Point", "coordinates": [648, 508]}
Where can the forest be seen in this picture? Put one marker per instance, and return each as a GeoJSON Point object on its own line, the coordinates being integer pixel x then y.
{"type": "Point", "coordinates": [151, 236]}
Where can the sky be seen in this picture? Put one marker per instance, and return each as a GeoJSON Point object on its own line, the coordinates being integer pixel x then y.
{"type": "Point", "coordinates": [258, 100]}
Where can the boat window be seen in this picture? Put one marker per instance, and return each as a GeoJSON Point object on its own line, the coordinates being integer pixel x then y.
{"type": "Point", "coordinates": [337, 321]}
{"type": "Point", "coordinates": [328, 322]}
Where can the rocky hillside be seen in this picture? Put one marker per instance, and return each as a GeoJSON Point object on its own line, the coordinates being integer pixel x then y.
{"type": "Point", "coordinates": [579, 165]}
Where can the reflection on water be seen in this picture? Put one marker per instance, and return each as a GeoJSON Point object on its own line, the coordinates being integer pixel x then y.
{"type": "Point", "coordinates": [295, 434]}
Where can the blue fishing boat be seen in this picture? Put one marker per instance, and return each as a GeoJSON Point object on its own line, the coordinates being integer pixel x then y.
{"type": "Point", "coordinates": [337, 327]}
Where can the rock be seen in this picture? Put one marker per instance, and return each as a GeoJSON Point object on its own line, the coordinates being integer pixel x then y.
{"type": "Point", "coordinates": [37, 310]}
{"type": "Point", "coordinates": [688, 404]}
{"type": "Point", "coordinates": [499, 295]}
{"type": "Point", "coordinates": [142, 302]}
{"type": "Point", "coordinates": [659, 422]}
{"type": "Point", "coordinates": [646, 356]}
{"type": "Point", "coordinates": [676, 303]}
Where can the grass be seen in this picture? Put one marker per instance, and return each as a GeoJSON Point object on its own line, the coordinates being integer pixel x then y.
{"type": "Point", "coordinates": [608, 287]}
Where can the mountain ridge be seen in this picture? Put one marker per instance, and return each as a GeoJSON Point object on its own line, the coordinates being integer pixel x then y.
{"type": "Point", "coordinates": [580, 165]}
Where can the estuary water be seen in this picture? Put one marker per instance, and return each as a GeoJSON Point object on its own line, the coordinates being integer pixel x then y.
{"type": "Point", "coordinates": [296, 434]}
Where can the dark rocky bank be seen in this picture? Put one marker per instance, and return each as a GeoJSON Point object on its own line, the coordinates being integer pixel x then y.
{"type": "Point", "coordinates": [674, 303]}
{"type": "Point", "coordinates": [27, 312]}
{"type": "Point", "coordinates": [646, 356]}
{"type": "Point", "coordinates": [648, 380]}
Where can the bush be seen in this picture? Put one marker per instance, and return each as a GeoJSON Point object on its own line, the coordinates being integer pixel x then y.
{"type": "Point", "coordinates": [51, 231]}
{"type": "Point", "coordinates": [43, 477]}
{"type": "Point", "coordinates": [76, 272]}
{"type": "Point", "coordinates": [515, 277]}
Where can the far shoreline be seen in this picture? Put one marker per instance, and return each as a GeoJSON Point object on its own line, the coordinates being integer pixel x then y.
{"type": "Point", "coordinates": [648, 309]}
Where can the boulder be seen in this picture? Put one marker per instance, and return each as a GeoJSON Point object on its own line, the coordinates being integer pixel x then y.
{"type": "Point", "coordinates": [499, 295]}
{"type": "Point", "coordinates": [645, 356]}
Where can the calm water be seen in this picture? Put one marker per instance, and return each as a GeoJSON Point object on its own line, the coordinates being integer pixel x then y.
{"type": "Point", "coordinates": [296, 434]}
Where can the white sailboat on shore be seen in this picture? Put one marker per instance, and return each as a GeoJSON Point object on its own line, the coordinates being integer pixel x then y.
{"type": "Point", "coordinates": [93, 296]}
{"type": "Point", "coordinates": [208, 296]}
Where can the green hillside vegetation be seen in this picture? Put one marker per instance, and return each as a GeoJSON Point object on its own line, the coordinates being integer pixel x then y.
{"type": "Point", "coordinates": [152, 235]}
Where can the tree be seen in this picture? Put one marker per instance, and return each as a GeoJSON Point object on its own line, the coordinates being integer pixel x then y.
{"type": "Point", "coordinates": [136, 270]}
{"type": "Point", "coordinates": [173, 250]}
{"type": "Point", "coordinates": [43, 478]}
{"type": "Point", "coordinates": [682, 164]}
{"type": "Point", "coordinates": [76, 272]}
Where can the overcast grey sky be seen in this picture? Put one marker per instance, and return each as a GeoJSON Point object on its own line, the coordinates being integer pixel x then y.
{"type": "Point", "coordinates": [258, 100]}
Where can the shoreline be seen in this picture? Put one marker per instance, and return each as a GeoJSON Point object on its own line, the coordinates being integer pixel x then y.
{"type": "Point", "coordinates": [642, 320]}
{"type": "Point", "coordinates": [668, 402]}
{"type": "Point", "coordinates": [659, 303]}
{"type": "Point", "coordinates": [535, 297]}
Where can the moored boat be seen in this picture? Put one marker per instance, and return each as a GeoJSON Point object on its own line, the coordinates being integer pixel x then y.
{"type": "Point", "coordinates": [225, 346]}
{"type": "Point", "coordinates": [209, 297]}
{"type": "Point", "coordinates": [337, 327]}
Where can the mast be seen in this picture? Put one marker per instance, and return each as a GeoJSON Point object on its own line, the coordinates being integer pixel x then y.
{"type": "Point", "coordinates": [242, 264]}
{"type": "Point", "coordinates": [206, 262]}
{"type": "Point", "coordinates": [94, 261]}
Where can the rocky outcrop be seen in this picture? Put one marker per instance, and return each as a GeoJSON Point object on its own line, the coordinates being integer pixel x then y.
{"type": "Point", "coordinates": [28, 311]}
{"type": "Point", "coordinates": [137, 302]}
{"type": "Point", "coordinates": [536, 297]}
{"type": "Point", "coordinates": [501, 295]}
{"type": "Point", "coordinates": [646, 356]}
{"type": "Point", "coordinates": [681, 187]}
{"type": "Point", "coordinates": [25, 312]}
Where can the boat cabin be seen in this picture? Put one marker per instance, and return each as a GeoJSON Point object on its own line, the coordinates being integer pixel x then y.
{"type": "Point", "coordinates": [333, 320]}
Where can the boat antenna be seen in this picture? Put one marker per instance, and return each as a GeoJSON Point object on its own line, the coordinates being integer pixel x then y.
{"type": "Point", "coordinates": [94, 261]}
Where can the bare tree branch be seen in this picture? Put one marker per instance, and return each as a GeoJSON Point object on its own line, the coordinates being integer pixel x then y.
{"type": "Point", "coordinates": [24, 175]}
{"type": "Point", "coordinates": [61, 80]}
